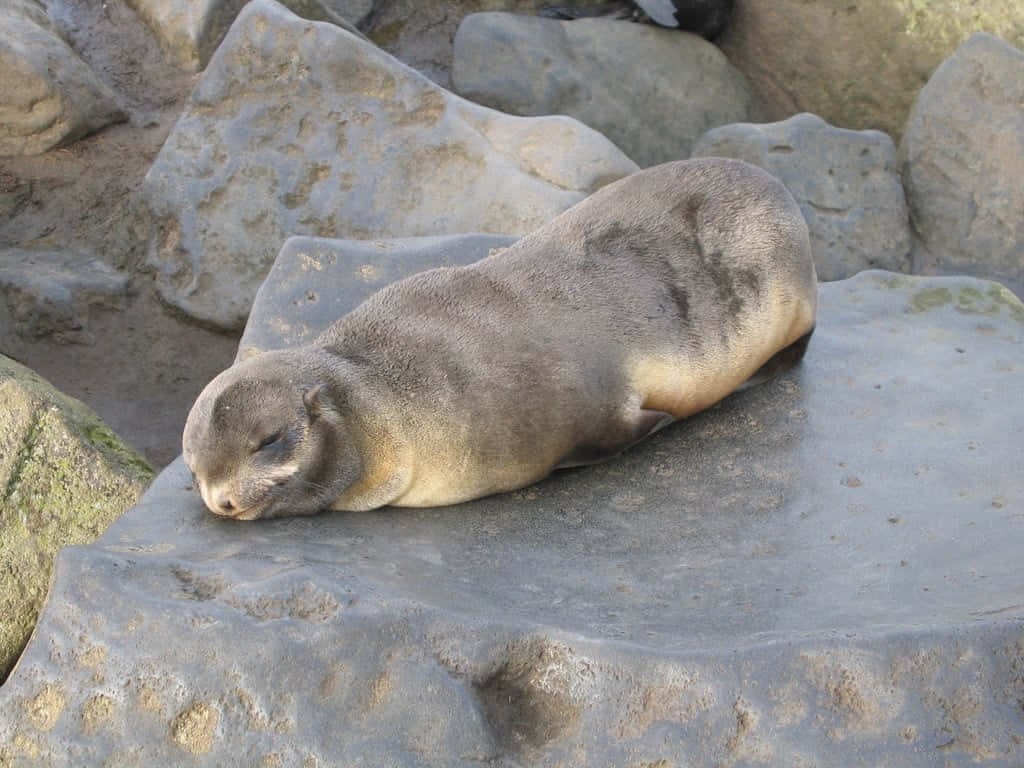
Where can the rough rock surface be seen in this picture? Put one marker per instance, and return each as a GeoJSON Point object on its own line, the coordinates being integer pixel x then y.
{"type": "Point", "coordinates": [300, 128]}
{"type": "Point", "coordinates": [189, 31]}
{"type": "Point", "coordinates": [652, 91]}
{"type": "Point", "coordinates": [64, 477]}
{"type": "Point", "coordinates": [292, 306]}
{"type": "Point", "coordinates": [823, 570]}
{"type": "Point", "coordinates": [846, 182]}
{"type": "Point", "coordinates": [48, 95]}
{"type": "Point", "coordinates": [52, 292]}
{"type": "Point", "coordinates": [857, 63]}
{"type": "Point", "coordinates": [963, 161]}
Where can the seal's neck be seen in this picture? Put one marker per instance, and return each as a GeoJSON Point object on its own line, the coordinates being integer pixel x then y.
{"type": "Point", "coordinates": [372, 429]}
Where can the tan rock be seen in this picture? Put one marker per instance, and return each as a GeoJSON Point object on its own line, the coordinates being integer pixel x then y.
{"type": "Point", "coordinates": [962, 157]}
{"type": "Point", "coordinates": [856, 63]}
{"type": "Point", "coordinates": [189, 31]}
{"type": "Point", "coordinates": [48, 95]}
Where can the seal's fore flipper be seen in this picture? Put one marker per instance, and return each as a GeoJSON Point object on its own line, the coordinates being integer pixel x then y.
{"type": "Point", "coordinates": [646, 422]}
{"type": "Point", "coordinates": [778, 363]}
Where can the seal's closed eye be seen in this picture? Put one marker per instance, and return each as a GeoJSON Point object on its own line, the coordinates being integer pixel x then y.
{"type": "Point", "coordinates": [269, 440]}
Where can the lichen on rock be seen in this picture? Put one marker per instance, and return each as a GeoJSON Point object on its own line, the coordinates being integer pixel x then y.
{"type": "Point", "coordinates": [64, 477]}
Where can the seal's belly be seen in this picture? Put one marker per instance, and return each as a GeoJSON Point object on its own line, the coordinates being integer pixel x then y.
{"type": "Point", "coordinates": [454, 471]}
{"type": "Point", "coordinates": [436, 487]}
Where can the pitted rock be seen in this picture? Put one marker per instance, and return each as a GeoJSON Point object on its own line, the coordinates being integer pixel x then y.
{"type": "Point", "coordinates": [299, 128]}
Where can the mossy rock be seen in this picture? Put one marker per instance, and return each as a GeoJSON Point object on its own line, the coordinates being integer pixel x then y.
{"type": "Point", "coordinates": [64, 477]}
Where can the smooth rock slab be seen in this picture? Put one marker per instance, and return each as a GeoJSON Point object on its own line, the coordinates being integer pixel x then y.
{"type": "Point", "coordinates": [847, 184]}
{"type": "Point", "coordinates": [298, 128]}
{"type": "Point", "coordinates": [823, 570]}
{"type": "Point", "coordinates": [315, 281]}
{"type": "Point", "coordinates": [651, 91]}
{"type": "Point", "coordinates": [963, 160]}
{"type": "Point", "coordinates": [64, 477]}
{"type": "Point", "coordinates": [48, 95]}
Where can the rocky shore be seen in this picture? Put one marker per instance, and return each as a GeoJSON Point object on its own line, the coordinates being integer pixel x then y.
{"type": "Point", "coordinates": [822, 570]}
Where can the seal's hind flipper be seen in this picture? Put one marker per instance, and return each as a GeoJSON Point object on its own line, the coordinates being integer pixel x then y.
{"type": "Point", "coordinates": [778, 363]}
{"type": "Point", "coordinates": [646, 422]}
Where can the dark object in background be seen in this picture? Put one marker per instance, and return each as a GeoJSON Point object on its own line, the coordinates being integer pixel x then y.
{"type": "Point", "coordinates": [706, 18]}
{"type": "Point", "coordinates": [615, 9]}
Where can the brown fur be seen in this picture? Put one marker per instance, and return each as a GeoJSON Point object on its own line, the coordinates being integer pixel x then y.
{"type": "Point", "coordinates": [652, 299]}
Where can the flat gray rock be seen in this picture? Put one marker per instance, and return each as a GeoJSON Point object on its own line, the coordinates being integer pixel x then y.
{"type": "Point", "coordinates": [652, 91]}
{"type": "Point", "coordinates": [823, 570]}
{"type": "Point", "coordinates": [52, 292]}
{"type": "Point", "coordinates": [963, 160]}
{"type": "Point", "coordinates": [48, 95]}
{"type": "Point", "coordinates": [847, 184]}
{"type": "Point", "coordinates": [316, 280]}
{"type": "Point", "coordinates": [299, 128]}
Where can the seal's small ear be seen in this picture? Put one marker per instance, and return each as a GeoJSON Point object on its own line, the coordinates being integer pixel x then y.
{"type": "Point", "coordinates": [311, 398]}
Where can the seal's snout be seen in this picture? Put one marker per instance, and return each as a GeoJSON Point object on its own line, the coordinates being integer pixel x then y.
{"type": "Point", "coordinates": [223, 505]}
{"type": "Point", "coordinates": [219, 499]}
{"type": "Point", "coordinates": [226, 507]}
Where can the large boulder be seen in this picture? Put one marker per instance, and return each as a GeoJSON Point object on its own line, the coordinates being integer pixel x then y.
{"type": "Point", "coordinates": [45, 293]}
{"type": "Point", "coordinates": [652, 91]}
{"type": "Point", "coordinates": [963, 163]}
{"type": "Point", "coordinates": [823, 570]}
{"type": "Point", "coordinates": [48, 95]}
{"type": "Point", "coordinates": [301, 128]}
{"type": "Point", "coordinates": [189, 31]}
{"type": "Point", "coordinates": [857, 63]}
{"type": "Point", "coordinates": [64, 477]}
{"type": "Point", "coordinates": [847, 184]}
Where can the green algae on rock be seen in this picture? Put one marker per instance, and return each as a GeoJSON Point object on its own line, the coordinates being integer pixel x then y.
{"type": "Point", "coordinates": [969, 300]}
{"type": "Point", "coordinates": [64, 477]}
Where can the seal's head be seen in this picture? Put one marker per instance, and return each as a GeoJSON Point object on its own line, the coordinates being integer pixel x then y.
{"type": "Point", "coordinates": [264, 439]}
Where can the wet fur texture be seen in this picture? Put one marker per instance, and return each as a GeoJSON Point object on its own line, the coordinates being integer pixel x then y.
{"type": "Point", "coordinates": [652, 299]}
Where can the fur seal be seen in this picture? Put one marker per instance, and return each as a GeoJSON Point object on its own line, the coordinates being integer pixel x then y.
{"type": "Point", "coordinates": [652, 299]}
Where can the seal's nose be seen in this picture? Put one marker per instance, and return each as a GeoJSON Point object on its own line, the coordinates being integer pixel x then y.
{"type": "Point", "coordinates": [224, 504]}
